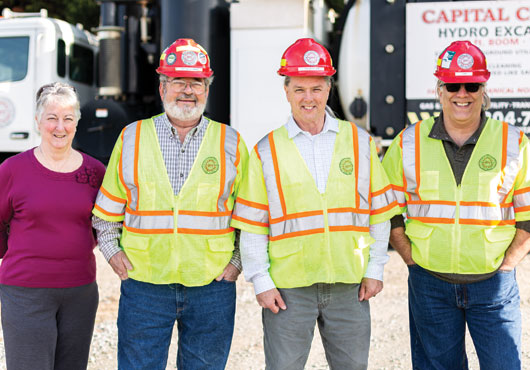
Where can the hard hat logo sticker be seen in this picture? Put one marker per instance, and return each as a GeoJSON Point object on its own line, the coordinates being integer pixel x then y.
{"type": "Point", "coordinates": [447, 58]}
{"type": "Point", "coordinates": [202, 58]}
{"type": "Point", "coordinates": [171, 58]}
{"type": "Point", "coordinates": [311, 58]}
{"type": "Point", "coordinates": [465, 61]}
{"type": "Point", "coordinates": [189, 58]}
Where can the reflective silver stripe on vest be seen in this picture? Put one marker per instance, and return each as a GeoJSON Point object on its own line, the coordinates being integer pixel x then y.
{"type": "Point", "coordinates": [400, 197]}
{"type": "Point", "coordinates": [275, 205]}
{"type": "Point", "coordinates": [297, 224]}
{"type": "Point", "coordinates": [512, 162]}
{"type": "Point", "coordinates": [363, 180]}
{"type": "Point", "coordinates": [203, 222]}
{"type": "Point", "coordinates": [230, 148]}
{"type": "Point", "coordinates": [251, 213]}
{"type": "Point", "coordinates": [149, 222]}
{"type": "Point", "coordinates": [487, 213]}
{"type": "Point", "coordinates": [431, 210]}
{"type": "Point", "coordinates": [348, 219]}
{"type": "Point", "coordinates": [307, 223]}
{"type": "Point", "coordinates": [521, 200]}
{"type": "Point", "coordinates": [382, 200]}
{"type": "Point", "coordinates": [409, 159]}
{"type": "Point", "coordinates": [128, 160]}
{"type": "Point", "coordinates": [474, 212]}
{"type": "Point", "coordinates": [109, 205]}
{"type": "Point", "coordinates": [158, 222]}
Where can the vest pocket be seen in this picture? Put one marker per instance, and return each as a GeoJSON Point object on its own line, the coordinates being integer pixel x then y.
{"type": "Point", "coordinates": [430, 185]}
{"type": "Point", "coordinates": [284, 249]}
{"type": "Point", "coordinates": [206, 194]}
{"type": "Point", "coordinates": [420, 237]}
{"type": "Point", "coordinates": [137, 242]}
{"type": "Point", "coordinates": [221, 245]}
{"type": "Point", "coordinates": [148, 195]}
{"type": "Point", "coordinates": [288, 266]}
{"type": "Point", "coordinates": [496, 241]}
{"type": "Point", "coordinates": [218, 256]}
{"type": "Point", "coordinates": [136, 247]}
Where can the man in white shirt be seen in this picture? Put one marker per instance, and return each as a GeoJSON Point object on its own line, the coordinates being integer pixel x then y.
{"type": "Point", "coordinates": [314, 210]}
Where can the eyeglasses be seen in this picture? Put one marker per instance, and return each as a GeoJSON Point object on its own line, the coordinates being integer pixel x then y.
{"type": "Point", "coordinates": [471, 87]}
{"type": "Point", "coordinates": [178, 85]}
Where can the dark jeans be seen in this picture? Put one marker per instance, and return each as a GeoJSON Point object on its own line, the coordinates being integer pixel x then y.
{"type": "Point", "coordinates": [439, 312]}
{"type": "Point", "coordinates": [48, 328]}
{"type": "Point", "coordinates": [147, 314]}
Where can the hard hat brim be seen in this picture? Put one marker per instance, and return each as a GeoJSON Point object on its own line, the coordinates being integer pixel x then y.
{"type": "Point", "coordinates": [309, 71]}
{"type": "Point", "coordinates": [172, 72]}
{"type": "Point", "coordinates": [479, 77]}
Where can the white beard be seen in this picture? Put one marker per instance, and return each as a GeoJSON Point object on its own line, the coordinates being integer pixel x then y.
{"type": "Point", "coordinates": [183, 113]}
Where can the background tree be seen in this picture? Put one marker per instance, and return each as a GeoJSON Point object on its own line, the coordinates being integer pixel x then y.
{"type": "Point", "coordinates": [85, 12]}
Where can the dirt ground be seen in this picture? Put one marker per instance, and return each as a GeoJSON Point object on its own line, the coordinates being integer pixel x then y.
{"type": "Point", "coordinates": [389, 342]}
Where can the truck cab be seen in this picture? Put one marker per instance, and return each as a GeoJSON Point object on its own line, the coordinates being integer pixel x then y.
{"type": "Point", "coordinates": [35, 50]}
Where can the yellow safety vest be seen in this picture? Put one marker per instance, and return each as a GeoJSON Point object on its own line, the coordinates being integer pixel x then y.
{"type": "Point", "coordinates": [462, 229]}
{"type": "Point", "coordinates": [184, 239]}
{"type": "Point", "coordinates": [314, 237]}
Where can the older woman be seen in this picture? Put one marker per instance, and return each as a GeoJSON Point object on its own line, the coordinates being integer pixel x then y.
{"type": "Point", "coordinates": [48, 290]}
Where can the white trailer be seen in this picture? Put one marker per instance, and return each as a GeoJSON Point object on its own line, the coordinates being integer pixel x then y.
{"type": "Point", "coordinates": [35, 50]}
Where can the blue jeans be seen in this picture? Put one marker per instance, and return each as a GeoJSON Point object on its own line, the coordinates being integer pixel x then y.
{"type": "Point", "coordinates": [205, 322]}
{"type": "Point", "coordinates": [439, 312]}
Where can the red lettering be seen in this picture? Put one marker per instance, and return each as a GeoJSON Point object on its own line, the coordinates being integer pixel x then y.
{"type": "Point", "coordinates": [501, 18]}
{"type": "Point", "coordinates": [426, 14]}
{"type": "Point", "coordinates": [472, 15]}
{"type": "Point", "coordinates": [475, 12]}
{"type": "Point", "coordinates": [523, 14]}
{"type": "Point", "coordinates": [442, 18]}
{"type": "Point", "coordinates": [489, 16]}
{"type": "Point", "coordinates": [455, 14]}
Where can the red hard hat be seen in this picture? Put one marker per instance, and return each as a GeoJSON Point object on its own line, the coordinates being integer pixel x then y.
{"type": "Point", "coordinates": [306, 57]}
{"type": "Point", "coordinates": [185, 58]}
{"type": "Point", "coordinates": [462, 62]}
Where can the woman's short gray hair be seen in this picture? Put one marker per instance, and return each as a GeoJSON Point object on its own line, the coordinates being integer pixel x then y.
{"type": "Point", "coordinates": [58, 92]}
{"type": "Point", "coordinates": [486, 100]}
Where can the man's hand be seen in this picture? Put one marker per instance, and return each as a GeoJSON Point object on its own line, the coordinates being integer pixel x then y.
{"type": "Point", "coordinates": [369, 288]}
{"type": "Point", "coordinates": [230, 273]}
{"type": "Point", "coordinates": [518, 249]}
{"type": "Point", "coordinates": [272, 300]}
{"type": "Point", "coordinates": [120, 264]}
{"type": "Point", "coordinates": [401, 243]}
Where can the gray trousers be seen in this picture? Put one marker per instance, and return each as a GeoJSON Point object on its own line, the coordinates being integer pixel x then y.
{"type": "Point", "coordinates": [48, 328]}
{"type": "Point", "coordinates": [343, 322]}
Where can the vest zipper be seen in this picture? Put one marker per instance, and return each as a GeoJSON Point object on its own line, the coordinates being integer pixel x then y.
{"type": "Point", "coordinates": [455, 261]}
{"type": "Point", "coordinates": [330, 274]}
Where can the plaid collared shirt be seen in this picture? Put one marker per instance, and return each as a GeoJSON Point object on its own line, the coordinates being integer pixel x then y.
{"type": "Point", "coordinates": [178, 158]}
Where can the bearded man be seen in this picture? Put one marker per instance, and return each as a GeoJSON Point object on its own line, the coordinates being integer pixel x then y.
{"type": "Point", "coordinates": [163, 216]}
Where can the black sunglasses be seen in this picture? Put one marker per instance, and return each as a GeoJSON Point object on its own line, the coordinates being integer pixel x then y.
{"type": "Point", "coordinates": [471, 87]}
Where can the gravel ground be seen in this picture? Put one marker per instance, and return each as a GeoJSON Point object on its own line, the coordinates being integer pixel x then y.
{"type": "Point", "coordinates": [389, 342]}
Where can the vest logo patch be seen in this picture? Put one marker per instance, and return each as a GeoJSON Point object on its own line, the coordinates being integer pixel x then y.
{"type": "Point", "coordinates": [346, 166]}
{"type": "Point", "coordinates": [487, 162]}
{"type": "Point", "coordinates": [210, 165]}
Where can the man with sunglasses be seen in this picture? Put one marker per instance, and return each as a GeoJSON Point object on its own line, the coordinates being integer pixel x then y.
{"type": "Point", "coordinates": [462, 179]}
{"type": "Point", "coordinates": [163, 221]}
